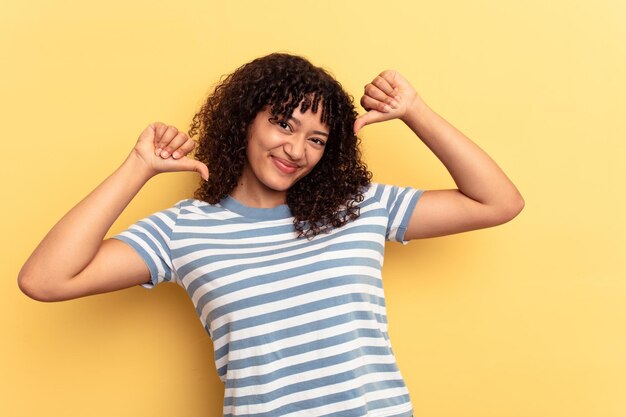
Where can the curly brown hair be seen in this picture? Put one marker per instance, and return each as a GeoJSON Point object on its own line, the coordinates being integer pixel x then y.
{"type": "Point", "coordinates": [327, 197]}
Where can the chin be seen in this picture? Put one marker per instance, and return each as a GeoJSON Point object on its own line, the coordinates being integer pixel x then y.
{"type": "Point", "coordinates": [281, 183]}
{"type": "Point", "coordinates": [280, 186]}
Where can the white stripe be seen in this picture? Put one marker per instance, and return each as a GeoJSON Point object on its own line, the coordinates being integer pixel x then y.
{"type": "Point", "coordinates": [306, 357]}
{"type": "Point", "coordinates": [308, 318]}
{"type": "Point", "coordinates": [331, 389]}
{"type": "Point", "coordinates": [278, 251]}
{"type": "Point", "coordinates": [274, 250]}
{"type": "Point", "coordinates": [144, 245]}
{"type": "Point", "coordinates": [277, 345]}
{"type": "Point", "coordinates": [297, 300]}
{"type": "Point", "coordinates": [359, 401]}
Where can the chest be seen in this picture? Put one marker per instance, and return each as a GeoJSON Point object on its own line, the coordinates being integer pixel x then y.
{"type": "Point", "coordinates": [239, 278]}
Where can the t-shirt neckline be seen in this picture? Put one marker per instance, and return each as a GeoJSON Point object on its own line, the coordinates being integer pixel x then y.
{"type": "Point", "coordinates": [275, 213]}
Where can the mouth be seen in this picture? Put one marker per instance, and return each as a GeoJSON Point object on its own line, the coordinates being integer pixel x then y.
{"type": "Point", "coordinates": [283, 166]}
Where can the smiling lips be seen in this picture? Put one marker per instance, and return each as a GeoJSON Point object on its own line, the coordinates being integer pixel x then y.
{"type": "Point", "coordinates": [284, 166]}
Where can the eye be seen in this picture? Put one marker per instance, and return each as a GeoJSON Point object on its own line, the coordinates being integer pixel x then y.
{"type": "Point", "coordinates": [280, 123]}
{"type": "Point", "coordinates": [318, 141]}
{"type": "Point", "coordinates": [284, 125]}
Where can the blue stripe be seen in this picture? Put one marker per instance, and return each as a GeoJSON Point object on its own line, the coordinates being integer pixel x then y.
{"type": "Point", "coordinates": [226, 260]}
{"type": "Point", "coordinates": [238, 267]}
{"type": "Point", "coordinates": [154, 272]}
{"type": "Point", "coordinates": [318, 363]}
{"type": "Point", "coordinates": [155, 231]}
{"type": "Point", "coordinates": [404, 223]}
{"type": "Point", "coordinates": [375, 405]}
{"type": "Point", "coordinates": [392, 207]}
{"type": "Point", "coordinates": [239, 234]}
{"type": "Point", "coordinates": [150, 258]}
{"type": "Point", "coordinates": [317, 305]}
{"type": "Point", "coordinates": [303, 348]}
{"type": "Point", "coordinates": [318, 383]}
{"type": "Point", "coordinates": [330, 399]}
{"type": "Point", "coordinates": [294, 331]}
{"type": "Point", "coordinates": [234, 245]}
{"type": "Point", "coordinates": [279, 295]}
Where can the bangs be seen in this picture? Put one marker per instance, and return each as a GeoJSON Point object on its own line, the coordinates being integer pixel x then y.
{"type": "Point", "coordinates": [289, 102]}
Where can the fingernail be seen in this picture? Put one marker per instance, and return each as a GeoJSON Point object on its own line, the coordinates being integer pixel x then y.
{"type": "Point", "coordinates": [394, 104]}
{"type": "Point", "coordinates": [176, 155]}
{"type": "Point", "coordinates": [386, 108]}
{"type": "Point", "coordinates": [165, 154]}
{"type": "Point", "coordinates": [157, 151]}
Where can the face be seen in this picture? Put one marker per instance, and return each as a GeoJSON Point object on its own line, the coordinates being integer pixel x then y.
{"type": "Point", "coordinates": [281, 151]}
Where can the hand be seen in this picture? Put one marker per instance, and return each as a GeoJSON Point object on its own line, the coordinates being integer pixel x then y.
{"type": "Point", "coordinates": [163, 149]}
{"type": "Point", "coordinates": [389, 96]}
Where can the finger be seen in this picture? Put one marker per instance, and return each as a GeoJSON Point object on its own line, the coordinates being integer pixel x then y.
{"type": "Point", "coordinates": [358, 124]}
{"type": "Point", "coordinates": [147, 134]}
{"type": "Point", "coordinates": [159, 129]}
{"type": "Point", "coordinates": [164, 140]}
{"type": "Point", "coordinates": [377, 94]}
{"type": "Point", "coordinates": [370, 117]}
{"type": "Point", "coordinates": [383, 83]}
{"type": "Point", "coordinates": [177, 141]}
{"type": "Point", "coordinates": [187, 164]}
{"type": "Point", "coordinates": [394, 79]}
{"type": "Point", "coordinates": [183, 149]}
{"type": "Point", "coordinates": [370, 103]}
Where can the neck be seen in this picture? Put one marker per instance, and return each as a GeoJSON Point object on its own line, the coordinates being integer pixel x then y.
{"type": "Point", "coordinates": [255, 194]}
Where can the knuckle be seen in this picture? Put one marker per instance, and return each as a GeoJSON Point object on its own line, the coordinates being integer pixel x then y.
{"type": "Point", "coordinates": [188, 146]}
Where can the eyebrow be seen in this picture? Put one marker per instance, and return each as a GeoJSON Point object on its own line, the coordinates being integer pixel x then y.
{"type": "Point", "coordinates": [319, 132]}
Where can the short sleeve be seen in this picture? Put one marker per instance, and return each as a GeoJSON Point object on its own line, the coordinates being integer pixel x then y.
{"type": "Point", "coordinates": [150, 237]}
{"type": "Point", "coordinates": [399, 203]}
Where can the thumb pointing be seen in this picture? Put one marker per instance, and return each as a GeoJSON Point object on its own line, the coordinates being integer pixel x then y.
{"type": "Point", "coordinates": [359, 123]}
{"type": "Point", "coordinates": [201, 169]}
{"type": "Point", "coordinates": [187, 164]}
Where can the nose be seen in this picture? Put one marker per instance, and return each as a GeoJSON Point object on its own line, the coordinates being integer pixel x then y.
{"type": "Point", "coordinates": [295, 148]}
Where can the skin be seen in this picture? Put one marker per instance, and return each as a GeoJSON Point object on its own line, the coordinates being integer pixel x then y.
{"type": "Point", "coordinates": [279, 153]}
{"type": "Point", "coordinates": [485, 196]}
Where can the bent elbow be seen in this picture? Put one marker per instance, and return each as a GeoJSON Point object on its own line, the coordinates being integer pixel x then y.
{"type": "Point", "coordinates": [34, 288]}
{"type": "Point", "coordinates": [517, 206]}
{"type": "Point", "coordinates": [511, 209]}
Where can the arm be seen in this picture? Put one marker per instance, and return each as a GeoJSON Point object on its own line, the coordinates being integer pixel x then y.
{"type": "Point", "coordinates": [72, 260]}
{"type": "Point", "coordinates": [485, 196]}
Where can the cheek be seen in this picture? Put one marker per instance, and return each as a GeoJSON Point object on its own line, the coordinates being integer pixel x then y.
{"type": "Point", "coordinates": [315, 159]}
{"type": "Point", "coordinates": [254, 149]}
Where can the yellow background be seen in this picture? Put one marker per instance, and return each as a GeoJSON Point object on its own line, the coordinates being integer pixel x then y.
{"type": "Point", "coordinates": [527, 319]}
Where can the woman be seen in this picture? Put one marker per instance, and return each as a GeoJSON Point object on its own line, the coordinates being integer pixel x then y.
{"type": "Point", "coordinates": [282, 248]}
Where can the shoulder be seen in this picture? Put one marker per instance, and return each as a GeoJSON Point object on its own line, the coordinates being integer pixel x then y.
{"type": "Point", "coordinates": [182, 210]}
{"type": "Point", "coordinates": [194, 206]}
{"type": "Point", "coordinates": [386, 194]}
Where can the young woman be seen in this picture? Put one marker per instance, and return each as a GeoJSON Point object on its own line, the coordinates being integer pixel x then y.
{"type": "Point", "coordinates": [281, 250]}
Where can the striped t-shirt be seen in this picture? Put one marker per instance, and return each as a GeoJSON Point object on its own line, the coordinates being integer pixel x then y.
{"type": "Point", "coordinates": [299, 327]}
